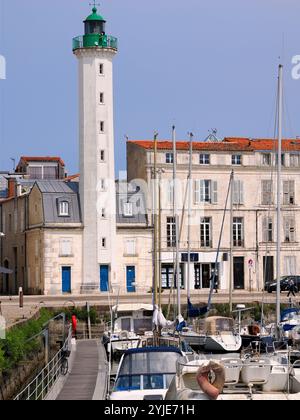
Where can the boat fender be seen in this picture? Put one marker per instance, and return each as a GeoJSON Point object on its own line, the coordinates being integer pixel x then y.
{"type": "Point", "coordinates": [254, 329]}
{"type": "Point", "coordinates": [211, 379]}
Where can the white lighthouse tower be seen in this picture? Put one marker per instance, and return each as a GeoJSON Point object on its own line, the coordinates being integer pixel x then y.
{"type": "Point", "coordinates": [95, 51]}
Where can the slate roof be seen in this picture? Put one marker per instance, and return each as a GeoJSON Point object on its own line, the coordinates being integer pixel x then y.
{"type": "Point", "coordinates": [138, 200]}
{"type": "Point", "coordinates": [55, 191]}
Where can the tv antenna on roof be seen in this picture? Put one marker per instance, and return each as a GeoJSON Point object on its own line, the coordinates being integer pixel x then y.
{"type": "Point", "coordinates": [14, 163]}
{"type": "Point", "coordinates": [212, 137]}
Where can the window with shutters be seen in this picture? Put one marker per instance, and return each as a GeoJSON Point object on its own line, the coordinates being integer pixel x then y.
{"type": "Point", "coordinates": [267, 229]}
{"type": "Point", "coordinates": [294, 160]}
{"type": "Point", "coordinates": [170, 191]}
{"type": "Point", "coordinates": [238, 231]}
{"type": "Point", "coordinates": [22, 220]}
{"type": "Point", "coordinates": [290, 265]}
{"type": "Point", "coordinates": [171, 232]}
{"type": "Point", "coordinates": [36, 246]}
{"type": "Point", "coordinates": [266, 159]}
{"type": "Point", "coordinates": [238, 192]}
{"type": "Point", "coordinates": [37, 277]}
{"type": "Point", "coordinates": [66, 247]}
{"type": "Point", "coordinates": [9, 222]}
{"type": "Point", "coordinates": [289, 229]}
{"type": "Point", "coordinates": [266, 192]}
{"type": "Point", "coordinates": [288, 193]}
{"type": "Point", "coordinates": [130, 247]}
{"type": "Point", "coordinates": [205, 191]}
{"type": "Point", "coordinates": [205, 229]}
{"type": "Point", "coordinates": [15, 220]}
{"type": "Point", "coordinates": [282, 159]}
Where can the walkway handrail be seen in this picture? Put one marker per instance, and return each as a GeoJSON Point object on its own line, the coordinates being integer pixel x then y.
{"type": "Point", "coordinates": [42, 384]}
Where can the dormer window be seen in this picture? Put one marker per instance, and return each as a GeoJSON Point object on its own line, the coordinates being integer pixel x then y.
{"type": "Point", "coordinates": [64, 208]}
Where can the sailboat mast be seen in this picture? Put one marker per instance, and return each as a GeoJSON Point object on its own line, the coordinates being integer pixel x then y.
{"type": "Point", "coordinates": [155, 277]}
{"type": "Point", "coordinates": [231, 280]}
{"type": "Point", "coordinates": [189, 215]}
{"type": "Point", "coordinates": [278, 261]}
{"type": "Point", "coordinates": [177, 270]}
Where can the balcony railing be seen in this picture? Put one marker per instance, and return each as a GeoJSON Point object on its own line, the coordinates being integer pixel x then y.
{"type": "Point", "coordinates": [95, 40]}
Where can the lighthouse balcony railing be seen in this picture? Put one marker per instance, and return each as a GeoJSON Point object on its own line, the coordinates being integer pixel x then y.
{"type": "Point", "coordinates": [95, 40]}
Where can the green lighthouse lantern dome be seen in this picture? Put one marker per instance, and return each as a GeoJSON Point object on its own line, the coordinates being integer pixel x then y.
{"type": "Point", "coordinates": [94, 23]}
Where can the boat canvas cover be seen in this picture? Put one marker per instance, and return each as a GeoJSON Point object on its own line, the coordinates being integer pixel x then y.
{"type": "Point", "coordinates": [132, 307]}
{"type": "Point", "coordinates": [217, 324]}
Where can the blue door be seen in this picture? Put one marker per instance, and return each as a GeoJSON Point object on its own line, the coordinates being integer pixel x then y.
{"type": "Point", "coordinates": [104, 276]}
{"type": "Point", "coordinates": [66, 279]}
{"type": "Point", "coordinates": [130, 276]}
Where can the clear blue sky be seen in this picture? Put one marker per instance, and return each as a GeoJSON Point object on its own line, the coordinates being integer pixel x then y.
{"type": "Point", "coordinates": [199, 64]}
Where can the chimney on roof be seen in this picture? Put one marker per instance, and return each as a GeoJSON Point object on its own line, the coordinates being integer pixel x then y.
{"type": "Point", "coordinates": [11, 187]}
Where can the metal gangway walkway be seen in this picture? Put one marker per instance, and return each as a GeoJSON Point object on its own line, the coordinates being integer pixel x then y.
{"type": "Point", "coordinates": [87, 379]}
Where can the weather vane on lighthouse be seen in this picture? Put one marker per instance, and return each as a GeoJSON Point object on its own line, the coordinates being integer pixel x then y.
{"type": "Point", "coordinates": [94, 4]}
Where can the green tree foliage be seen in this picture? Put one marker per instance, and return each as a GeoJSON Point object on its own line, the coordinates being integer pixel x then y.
{"type": "Point", "coordinates": [18, 344]}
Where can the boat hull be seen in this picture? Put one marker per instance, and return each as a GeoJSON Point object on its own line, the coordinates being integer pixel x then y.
{"type": "Point", "coordinates": [219, 343]}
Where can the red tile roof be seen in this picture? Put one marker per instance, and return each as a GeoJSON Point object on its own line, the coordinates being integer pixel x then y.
{"type": "Point", "coordinates": [42, 159]}
{"type": "Point", "coordinates": [71, 177]}
{"type": "Point", "coordinates": [228, 144]}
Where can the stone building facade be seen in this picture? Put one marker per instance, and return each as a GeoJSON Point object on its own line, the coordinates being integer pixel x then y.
{"type": "Point", "coordinates": [253, 162]}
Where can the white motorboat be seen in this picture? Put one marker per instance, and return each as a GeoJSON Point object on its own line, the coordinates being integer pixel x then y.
{"type": "Point", "coordinates": [217, 335]}
{"type": "Point", "coordinates": [257, 378]}
{"type": "Point", "coordinates": [130, 322]}
{"type": "Point", "coordinates": [145, 373]}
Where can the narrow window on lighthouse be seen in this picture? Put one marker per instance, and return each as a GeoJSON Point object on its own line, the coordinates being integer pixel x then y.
{"type": "Point", "coordinates": [102, 185]}
{"type": "Point", "coordinates": [101, 98]}
{"type": "Point", "coordinates": [102, 155]}
{"type": "Point", "coordinates": [102, 125]}
{"type": "Point", "coordinates": [103, 242]}
{"type": "Point", "coordinates": [101, 69]}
